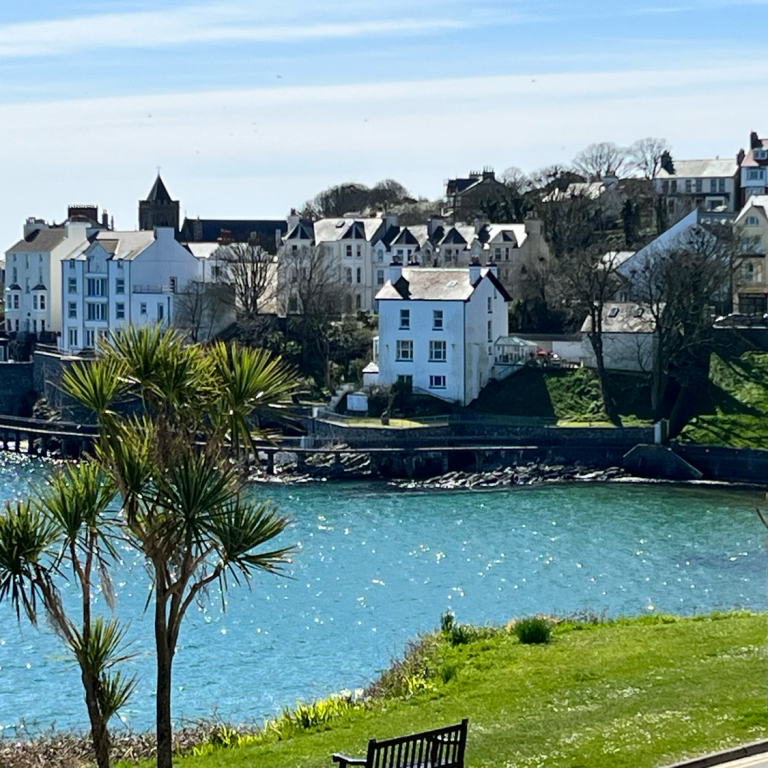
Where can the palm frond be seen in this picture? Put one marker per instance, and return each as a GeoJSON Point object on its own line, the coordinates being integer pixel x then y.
{"type": "Point", "coordinates": [76, 498]}
{"type": "Point", "coordinates": [26, 539]}
{"type": "Point", "coordinates": [242, 528]}
{"type": "Point", "coordinates": [96, 385]}
{"type": "Point", "coordinates": [190, 493]}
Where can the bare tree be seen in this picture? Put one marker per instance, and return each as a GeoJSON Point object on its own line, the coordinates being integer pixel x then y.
{"type": "Point", "coordinates": [684, 285]}
{"type": "Point", "coordinates": [516, 180]}
{"type": "Point", "coordinates": [251, 270]}
{"type": "Point", "coordinates": [591, 279]}
{"type": "Point", "coordinates": [201, 310]}
{"type": "Point", "coordinates": [312, 295]}
{"type": "Point", "coordinates": [645, 155]}
{"type": "Point", "coordinates": [601, 159]}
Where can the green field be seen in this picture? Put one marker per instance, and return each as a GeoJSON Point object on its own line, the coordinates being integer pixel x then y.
{"type": "Point", "coordinates": [642, 692]}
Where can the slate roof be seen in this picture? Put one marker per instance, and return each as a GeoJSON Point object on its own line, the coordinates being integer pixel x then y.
{"type": "Point", "coordinates": [332, 230]}
{"type": "Point", "coordinates": [302, 231]}
{"type": "Point", "coordinates": [505, 233]}
{"type": "Point", "coordinates": [405, 238]}
{"type": "Point", "coordinates": [749, 159]}
{"type": "Point", "coordinates": [119, 245]}
{"type": "Point", "coordinates": [454, 237]}
{"type": "Point", "coordinates": [624, 317]}
{"type": "Point", "coordinates": [756, 201]}
{"type": "Point", "coordinates": [158, 193]}
{"type": "Point", "coordinates": [240, 231]}
{"type": "Point", "coordinates": [41, 240]}
{"type": "Point", "coordinates": [701, 169]}
{"type": "Point", "coordinates": [435, 284]}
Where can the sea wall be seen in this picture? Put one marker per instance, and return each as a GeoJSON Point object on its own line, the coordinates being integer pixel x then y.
{"type": "Point", "coordinates": [17, 389]}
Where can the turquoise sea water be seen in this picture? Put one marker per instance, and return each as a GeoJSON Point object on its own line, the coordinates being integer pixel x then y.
{"type": "Point", "coordinates": [377, 566]}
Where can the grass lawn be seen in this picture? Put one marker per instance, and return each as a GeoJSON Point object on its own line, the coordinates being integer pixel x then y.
{"type": "Point", "coordinates": [641, 692]}
{"type": "Point", "coordinates": [738, 403]}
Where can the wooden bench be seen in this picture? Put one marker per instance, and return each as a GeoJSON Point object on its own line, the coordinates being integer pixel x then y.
{"type": "Point", "coordinates": [440, 748]}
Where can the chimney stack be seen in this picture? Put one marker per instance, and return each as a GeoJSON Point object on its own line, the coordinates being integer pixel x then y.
{"type": "Point", "coordinates": [105, 219]}
{"type": "Point", "coordinates": [474, 271]}
{"type": "Point", "coordinates": [395, 270]}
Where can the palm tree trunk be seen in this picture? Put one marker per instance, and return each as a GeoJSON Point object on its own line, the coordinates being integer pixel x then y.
{"type": "Point", "coordinates": [163, 699]}
{"type": "Point", "coordinates": [99, 731]}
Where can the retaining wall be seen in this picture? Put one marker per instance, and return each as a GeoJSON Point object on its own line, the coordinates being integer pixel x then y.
{"type": "Point", "coordinates": [17, 389]}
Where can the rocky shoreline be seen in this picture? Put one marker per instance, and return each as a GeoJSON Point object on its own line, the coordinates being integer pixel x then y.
{"type": "Point", "coordinates": [354, 466]}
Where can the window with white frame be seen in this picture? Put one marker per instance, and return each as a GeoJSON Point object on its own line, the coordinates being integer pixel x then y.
{"type": "Point", "coordinates": [490, 304]}
{"type": "Point", "coordinates": [96, 312]}
{"type": "Point", "coordinates": [120, 285]}
{"type": "Point", "coordinates": [173, 282]}
{"type": "Point", "coordinates": [72, 283]}
{"type": "Point", "coordinates": [752, 221]}
{"type": "Point", "coordinates": [437, 320]}
{"type": "Point", "coordinates": [437, 351]}
{"type": "Point", "coordinates": [349, 251]}
{"type": "Point", "coordinates": [15, 300]}
{"type": "Point", "coordinates": [379, 277]}
{"type": "Point", "coordinates": [755, 174]}
{"type": "Point", "coordinates": [713, 185]}
{"type": "Point", "coordinates": [143, 308]}
{"type": "Point", "coordinates": [160, 311]}
{"type": "Point", "coordinates": [120, 311]}
{"type": "Point", "coordinates": [42, 301]}
{"type": "Point", "coordinates": [90, 338]}
{"type": "Point", "coordinates": [349, 275]}
{"type": "Point", "coordinates": [359, 275]}
{"type": "Point", "coordinates": [405, 319]}
{"type": "Point", "coordinates": [96, 286]}
{"type": "Point", "coordinates": [437, 382]}
{"type": "Point", "coordinates": [404, 349]}
{"type": "Point", "coordinates": [490, 330]}
{"type": "Point", "coordinates": [72, 310]}
{"type": "Point", "coordinates": [359, 252]}
{"type": "Point", "coordinates": [34, 302]}
{"type": "Point", "coordinates": [72, 337]}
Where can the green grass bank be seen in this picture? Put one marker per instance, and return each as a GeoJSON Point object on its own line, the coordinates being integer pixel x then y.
{"type": "Point", "coordinates": [636, 692]}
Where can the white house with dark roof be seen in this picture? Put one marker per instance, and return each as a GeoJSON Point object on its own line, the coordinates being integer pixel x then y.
{"type": "Point", "coordinates": [348, 242]}
{"type": "Point", "coordinates": [438, 327]}
{"type": "Point", "coordinates": [33, 276]}
{"type": "Point", "coordinates": [116, 279]}
{"type": "Point", "coordinates": [711, 184]}
{"type": "Point", "coordinates": [750, 278]}
{"type": "Point", "coordinates": [754, 168]}
{"type": "Point", "coordinates": [628, 335]}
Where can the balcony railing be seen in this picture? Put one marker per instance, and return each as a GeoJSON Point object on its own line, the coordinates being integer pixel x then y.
{"type": "Point", "coordinates": [152, 289]}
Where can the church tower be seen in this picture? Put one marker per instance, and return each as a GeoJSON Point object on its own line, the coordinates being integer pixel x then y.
{"type": "Point", "coordinates": [158, 210]}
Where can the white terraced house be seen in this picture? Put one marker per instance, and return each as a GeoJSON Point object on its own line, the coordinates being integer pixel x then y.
{"type": "Point", "coordinates": [438, 329]}
{"type": "Point", "coordinates": [121, 278]}
{"type": "Point", "coordinates": [33, 276]}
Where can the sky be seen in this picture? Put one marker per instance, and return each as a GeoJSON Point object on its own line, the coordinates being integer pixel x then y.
{"type": "Point", "coordinates": [251, 108]}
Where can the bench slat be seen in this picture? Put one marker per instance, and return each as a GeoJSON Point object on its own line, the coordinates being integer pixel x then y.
{"type": "Point", "coordinates": [438, 748]}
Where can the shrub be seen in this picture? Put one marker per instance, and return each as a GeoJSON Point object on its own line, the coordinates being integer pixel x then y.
{"type": "Point", "coordinates": [533, 630]}
{"type": "Point", "coordinates": [462, 634]}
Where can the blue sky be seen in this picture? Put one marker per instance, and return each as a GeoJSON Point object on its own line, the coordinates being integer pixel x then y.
{"type": "Point", "coordinates": [250, 108]}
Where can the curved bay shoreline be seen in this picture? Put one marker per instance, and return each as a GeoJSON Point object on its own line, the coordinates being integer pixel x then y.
{"type": "Point", "coordinates": [500, 476]}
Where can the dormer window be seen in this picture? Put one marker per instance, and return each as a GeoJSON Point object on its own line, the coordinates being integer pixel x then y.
{"type": "Point", "coordinates": [760, 154]}
{"type": "Point", "coordinates": [613, 312]}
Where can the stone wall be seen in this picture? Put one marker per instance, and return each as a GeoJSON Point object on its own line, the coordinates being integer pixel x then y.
{"type": "Point", "coordinates": [17, 389]}
{"type": "Point", "coordinates": [48, 370]}
{"type": "Point", "coordinates": [733, 465]}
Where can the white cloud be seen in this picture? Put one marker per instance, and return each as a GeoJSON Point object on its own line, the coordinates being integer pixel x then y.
{"type": "Point", "coordinates": [231, 23]}
{"type": "Point", "coordinates": [255, 153]}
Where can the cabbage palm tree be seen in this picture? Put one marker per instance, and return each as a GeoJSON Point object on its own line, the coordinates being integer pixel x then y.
{"type": "Point", "coordinates": [66, 527]}
{"type": "Point", "coordinates": [167, 432]}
